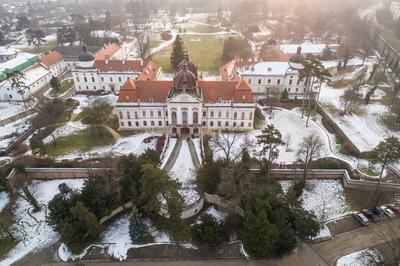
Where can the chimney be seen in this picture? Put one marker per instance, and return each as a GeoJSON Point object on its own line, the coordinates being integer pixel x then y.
{"type": "Point", "coordinates": [106, 61]}
{"type": "Point", "coordinates": [123, 61]}
{"type": "Point", "coordinates": [141, 62]}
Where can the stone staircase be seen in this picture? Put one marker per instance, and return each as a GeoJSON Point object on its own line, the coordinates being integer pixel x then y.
{"type": "Point", "coordinates": [193, 153]}
{"type": "Point", "coordinates": [174, 155]}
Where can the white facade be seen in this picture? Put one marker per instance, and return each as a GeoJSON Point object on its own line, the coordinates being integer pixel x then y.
{"type": "Point", "coordinates": [185, 114]}
{"type": "Point", "coordinates": [35, 78]}
{"type": "Point", "coordinates": [7, 53]}
{"type": "Point", "coordinates": [395, 10]}
{"type": "Point", "coordinates": [58, 68]}
{"type": "Point", "coordinates": [271, 78]}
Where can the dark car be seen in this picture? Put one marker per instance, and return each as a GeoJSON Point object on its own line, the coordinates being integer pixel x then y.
{"type": "Point", "coordinates": [361, 219]}
{"type": "Point", "coordinates": [370, 215]}
{"type": "Point", "coordinates": [380, 213]}
{"type": "Point", "coordinates": [394, 207]}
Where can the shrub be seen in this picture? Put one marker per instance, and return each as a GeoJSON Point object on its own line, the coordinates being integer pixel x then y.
{"type": "Point", "coordinates": [208, 231]}
{"type": "Point", "coordinates": [138, 230]}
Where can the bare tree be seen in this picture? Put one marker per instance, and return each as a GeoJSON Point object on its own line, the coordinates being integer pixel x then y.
{"type": "Point", "coordinates": [142, 41]}
{"type": "Point", "coordinates": [287, 140]}
{"type": "Point", "coordinates": [227, 142]}
{"type": "Point", "coordinates": [310, 150]}
{"type": "Point", "coordinates": [352, 97]}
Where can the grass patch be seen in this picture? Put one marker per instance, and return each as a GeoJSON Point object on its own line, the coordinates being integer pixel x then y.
{"type": "Point", "coordinates": [65, 86]}
{"type": "Point", "coordinates": [258, 122]}
{"type": "Point", "coordinates": [341, 83]}
{"type": "Point", "coordinates": [389, 121]}
{"type": "Point", "coordinates": [45, 47]}
{"type": "Point", "coordinates": [330, 108]}
{"type": "Point", "coordinates": [82, 141]}
{"type": "Point", "coordinates": [205, 51]}
{"type": "Point", "coordinates": [70, 105]}
{"type": "Point", "coordinates": [358, 111]}
{"type": "Point", "coordinates": [369, 171]}
{"type": "Point", "coordinates": [199, 28]}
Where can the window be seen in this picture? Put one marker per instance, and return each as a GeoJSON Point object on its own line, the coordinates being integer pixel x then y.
{"type": "Point", "coordinates": [204, 123]}
{"type": "Point", "coordinates": [249, 125]}
{"type": "Point", "coordinates": [128, 115]}
{"type": "Point", "coordinates": [144, 113]}
{"type": "Point", "coordinates": [145, 123]}
{"type": "Point", "coordinates": [152, 123]}
{"type": "Point", "coordinates": [85, 79]}
{"type": "Point", "coordinates": [204, 114]}
{"type": "Point", "coordinates": [259, 81]}
{"type": "Point", "coordinates": [297, 89]}
{"type": "Point", "coordinates": [111, 80]}
{"type": "Point", "coordinates": [129, 123]}
{"type": "Point", "coordinates": [226, 124]}
{"type": "Point", "coordinates": [173, 117]}
{"type": "Point", "coordinates": [94, 87]}
{"type": "Point", "coordinates": [92, 79]}
{"type": "Point", "coordinates": [290, 82]}
{"type": "Point", "coordinates": [120, 115]}
{"type": "Point", "coordinates": [227, 114]}
{"type": "Point", "coordinates": [137, 123]}
{"type": "Point", "coordinates": [184, 117]}
{"type": "Point", "coordinates": [136, 115]}
{"type": "Point", "coordinates": [122, 124]}
{"type": "Point", "coordinates": [269, 80]}
{"type": "Point", "coordinates": [250, 115]}
{"type": "Point", "coordinates": [102, 79]}
{"type": "Point", "coordinates": [151, 113]}
{"type": "Point", "coordinates": [219, 124]}
{"type": "Point", "coordinates": [212, 114]}
{"type": "Point", "coordinates": [243, 114]}
{"type": "Point", "coordinates": [211, 124]}
{"type": "Point", "coordinates": [87, 87]}
{"type": "Point", "coordinates": [298, 82]}
{"type": "Point", "coordinates": [77, 79]}
{"type": "Point", "coordinates": [119, 79]}
{"type": "Point", "coordinates": [195, 118]}
{"type": "Point", "coordinates": [241, 124]}
{"type": "Point", "coordinates": [249, 81]}
{"type": "Point", "coordinates": [234, 124]}
{"type": "Point", "coordinates": [278, 81]}
{"type": "Point", "coordinates": [159, 113]}
{"type": "Point", "coordinates": [288, 90]}
{"type": "Point", "coordinates": [160, 123]}
{"type": "Point", "coordinates": [219, 114]}
{"type": "Point", "coordinates": [235, 115]}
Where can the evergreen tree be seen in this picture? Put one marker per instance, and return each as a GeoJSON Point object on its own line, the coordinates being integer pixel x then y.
{"type": "Point", "coordinates": [259, 236]}
{"type": "Point", "coordinates": [55, 83]}
{"type": "Point", "coordinates": [138, 230]}
{"type": "Point", "coordinates": [178, 52]}
{"type": "Point", "coordinates": [284, 94]}
{"type": "Point", "coordinates": [209, 176]}
{"type": "Point", "coordinates": [208, 231]}
{"type": "Point", "coordinates": [2, 38]}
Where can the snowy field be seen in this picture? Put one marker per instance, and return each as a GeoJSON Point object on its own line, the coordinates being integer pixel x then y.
{"type": "Point", "coordinates": [197, 146]}
{"type": "Point", "coordinates": [183, 171]}
{"type": "Point", "coordinates": [117, 239]}
{"type": "Point", "coordinates": [326, 198]}
{"type": "Point", "coordinates": [8, 133]}
{"type": "Point", "coordinates": [66, 130]}
{"type": "Point", "coordinates": [124, 146]}
{"type": "Point", "coordinates": [4, 200]}
{"type": "Point", "coordinates": [10, 109]}
{"type": "Point", "coordinates": [293, 129]}
{"type": "Point", "coordinates": [167, 154]}
{"type": "Point", "coordinates": [86, 100]}
{"type": "Point", "coordinates": [31, 228]}
{"type": "Point", "coordinates": [360, 258]}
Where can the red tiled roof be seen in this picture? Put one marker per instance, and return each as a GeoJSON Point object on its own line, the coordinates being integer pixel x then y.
{"type": "Point", "coordinates": [157, 91]}
{"type": "Point", "coordinates": [228, 72]}
{"type": "Point", "coordinates": [107, 52]}
{"type": "Point", "coordinates": [145, 91]}
{"type": "Point", "coordinates": [147, 69]}
{"type": "Point", "coordinates": [51, 59]}
{"type": "Point", "coordinates": [236, 90]}
{"type": "Point", "coordinates": [274, 53]}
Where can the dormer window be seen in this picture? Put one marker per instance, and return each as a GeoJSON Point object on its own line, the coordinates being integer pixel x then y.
{"type": "Point", "coordinates": [269, 69]}
{"type": "Point", "coordinates": [244, 97]}
{"type": "Point", "coordinates": [151, 99]}
{"type": "Point", "coordinates": [220, 99]}
{"type": "Point", "coordinates": [127, 97]}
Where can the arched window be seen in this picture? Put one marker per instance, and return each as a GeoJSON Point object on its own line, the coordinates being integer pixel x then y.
{"type": "Point", "coordinates": [195, 130]}
{"type": "Point", "coordinates": [173, 117]}
{"type": "Point", "coordinates": [184, 117]}
{"type": "Point", "coordinates": [195, 118]}
{"type": "Point", "coordinates": [120, 115]}
{"type": "Point", "coordinates": [235, 115]}
{"type": "Point", "coordinates": [174, 130]}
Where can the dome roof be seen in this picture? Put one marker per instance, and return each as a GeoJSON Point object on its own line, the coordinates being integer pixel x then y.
{"type": "Point", "coordinates": [85, 56]}
{"type": "Point", "coordinates": [190, 66]}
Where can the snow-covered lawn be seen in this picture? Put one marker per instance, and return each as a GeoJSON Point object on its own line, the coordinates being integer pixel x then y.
{"type": "Point", "coordinates": [326, 198]}
{"type": "Point", "coordinates": [197, 146]}
{"type": "Point", "coordinates": [31, 228]}
{"type": "Point", "coordinates": [293, 129]}
{"type": "Point", "coordinates": [10, 109]}
{"type": "Point", "coordinates": [218, 215]}
{"type": "Point", "coordinates": [183, 171]}
{"type": "Point", "coordinates": [10, 132]}
{"type": "Point", "coordinates": [117, 241]}
{"type": "Point", "coordinates": [86, 100]}
{"type": "Point", "coordinates": [66, 130]}
{"type": "Point", "coordinates": [360, 258]}
{"type": "Point", "coordinates": [4, 200]}
{"type": "Point", "coordinates": [132, 144]}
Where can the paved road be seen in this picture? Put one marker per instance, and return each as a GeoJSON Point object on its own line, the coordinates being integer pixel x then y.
{"type": "Point", "coordinates": [356, 240]}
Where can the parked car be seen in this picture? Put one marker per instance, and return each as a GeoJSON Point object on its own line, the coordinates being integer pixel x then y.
{"type": "Point", "coordinates": [361, 219]}
{"type": "Point", "coordinates": [370, 215]}
{"type": "Point", "coordinates": [104, 92]}
{"type": "Point", "coordinates": [380, 213]}
{"type": "Point", "coordinates": [388, 211]}
{"type": "Point", "coordinates": [394, 207]}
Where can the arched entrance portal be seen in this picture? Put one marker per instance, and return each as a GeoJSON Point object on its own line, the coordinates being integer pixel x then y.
{"type": "Point", "coordinates": [185, 131]}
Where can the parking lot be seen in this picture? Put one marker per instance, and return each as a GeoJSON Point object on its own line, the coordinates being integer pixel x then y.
{"type": "Point", "coordinates": [349, 223]}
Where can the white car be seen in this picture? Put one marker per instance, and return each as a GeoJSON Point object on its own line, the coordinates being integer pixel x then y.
{"type": "Point", "coordinates": [388, 211]}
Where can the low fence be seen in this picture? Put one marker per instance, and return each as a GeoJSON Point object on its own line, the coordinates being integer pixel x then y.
{"type": "Point", "coordinates": [16, 117]}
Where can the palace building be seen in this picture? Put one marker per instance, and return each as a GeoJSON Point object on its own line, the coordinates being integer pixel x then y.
{"type": "Point", "coordinates": [186, 105]}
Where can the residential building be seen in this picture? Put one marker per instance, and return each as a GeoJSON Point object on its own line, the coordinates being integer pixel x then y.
{"type": "Point", "coordinates": [7, 53]}
{"type": "Point", "coordinates": [186, 105]}
{"type": "Point", "coordinates": [54, 62]}
{"type": "Point", "coordinates": [21, 62]}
